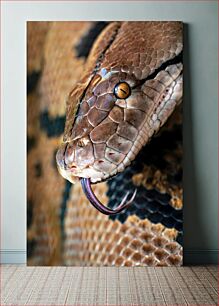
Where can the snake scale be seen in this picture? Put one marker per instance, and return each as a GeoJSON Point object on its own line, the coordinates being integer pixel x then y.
{"type": "Point", "coordinates": [104, 105]}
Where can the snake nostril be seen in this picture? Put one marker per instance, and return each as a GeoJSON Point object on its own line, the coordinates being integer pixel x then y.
{"type": "Point", "coordinates": [71, 167]}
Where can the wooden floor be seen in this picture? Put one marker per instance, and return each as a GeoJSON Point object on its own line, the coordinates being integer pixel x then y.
{"type": "Point", "coordinates": [44, 286]}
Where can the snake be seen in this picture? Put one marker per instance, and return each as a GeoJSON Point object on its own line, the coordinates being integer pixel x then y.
{"type": "Point", "coordinates": [125, 101]}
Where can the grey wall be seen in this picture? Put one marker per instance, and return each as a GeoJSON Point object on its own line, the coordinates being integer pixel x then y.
{"type": "Point", "coordinates": [200, 112]}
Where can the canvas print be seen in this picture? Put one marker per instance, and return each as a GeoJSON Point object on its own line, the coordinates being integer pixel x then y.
{"type": "Point", "coordinates": [104, 143]}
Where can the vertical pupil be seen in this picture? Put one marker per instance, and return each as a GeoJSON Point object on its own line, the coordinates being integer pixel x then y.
{"type": "Point", "coordinates": [122, 90]}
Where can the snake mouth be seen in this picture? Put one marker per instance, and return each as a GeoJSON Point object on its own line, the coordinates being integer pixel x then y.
{"type": "Point", "coordinates": [74, 174]}
{"type": "Point", "coordinates": [86, 186]}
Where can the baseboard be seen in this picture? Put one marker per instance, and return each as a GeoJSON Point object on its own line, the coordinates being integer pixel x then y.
{"type": "Point", "coordinates": [191, 257]}
{"type": "Point", "coordinates": [12, 256]}
{"type": "Point", "coordinates": [199, 257]}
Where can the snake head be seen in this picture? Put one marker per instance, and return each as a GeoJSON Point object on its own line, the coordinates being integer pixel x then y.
{"type": "Point", "coordinates": [94, 147]}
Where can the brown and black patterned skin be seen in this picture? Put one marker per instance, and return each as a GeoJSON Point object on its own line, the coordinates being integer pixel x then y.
{"type": "Point", "coordinates": [103, 135]}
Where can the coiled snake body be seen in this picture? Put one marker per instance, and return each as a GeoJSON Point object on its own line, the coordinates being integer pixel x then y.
{"type": "Point", "coordinates": [128, 82]}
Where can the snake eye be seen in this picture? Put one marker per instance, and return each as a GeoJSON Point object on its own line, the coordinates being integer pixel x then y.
{"type": "Point", "coordinates": [122, 90]}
